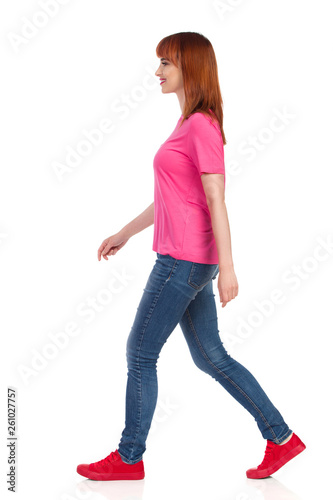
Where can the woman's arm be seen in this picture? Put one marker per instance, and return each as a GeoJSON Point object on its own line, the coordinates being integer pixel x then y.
{"type": "Point", "coordinates": [112, 244]}
{"type": "Point", "coordinates": [213, 185]}
{"type": "Point", "coordinates": [141, 222]}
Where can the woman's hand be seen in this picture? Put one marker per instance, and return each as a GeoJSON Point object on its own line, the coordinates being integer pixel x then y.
{"type": "Point", "coordinates": [111, 245]}
{"type": "Point", "coordinates": [227, 285]}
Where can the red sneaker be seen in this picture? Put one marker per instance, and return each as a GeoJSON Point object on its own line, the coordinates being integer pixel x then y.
{"type": "Point", "coordinates": [276, 456]}
{"type": "Point", "coordinates": [111, 468]}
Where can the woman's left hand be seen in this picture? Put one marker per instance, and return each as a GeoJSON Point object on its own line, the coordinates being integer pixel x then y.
{"type": "Point", "coordinates": [227, 285]}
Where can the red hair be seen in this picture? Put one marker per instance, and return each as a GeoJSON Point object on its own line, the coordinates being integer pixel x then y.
{"type": "Point", "coordinates": [194, 54]}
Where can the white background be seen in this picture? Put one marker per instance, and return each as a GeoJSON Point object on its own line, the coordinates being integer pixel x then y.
{"type": "Point", "coordinates": [273, 59]}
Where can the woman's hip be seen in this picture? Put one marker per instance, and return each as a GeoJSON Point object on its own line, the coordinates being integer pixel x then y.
{"type": "Point", "coordinates": [171, 286]}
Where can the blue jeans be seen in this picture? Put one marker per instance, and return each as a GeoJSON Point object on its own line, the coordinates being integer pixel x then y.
{"type": "Point", "coordinates": [180, 291]}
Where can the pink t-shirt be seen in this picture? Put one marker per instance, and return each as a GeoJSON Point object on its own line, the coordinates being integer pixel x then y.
{"type": "Point", "coordinates": [182, 222]}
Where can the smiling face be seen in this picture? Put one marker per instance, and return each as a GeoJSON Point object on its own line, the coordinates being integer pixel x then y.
{"type": "Point", "coordinates": [171, 76]}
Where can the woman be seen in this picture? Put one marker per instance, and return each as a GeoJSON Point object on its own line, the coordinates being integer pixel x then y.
{"type": "Point", "coordinates": [192, 243]}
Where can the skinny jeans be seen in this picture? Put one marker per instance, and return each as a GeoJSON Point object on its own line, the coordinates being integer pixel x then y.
{"type": "Point", "coordinates": [181, 292]}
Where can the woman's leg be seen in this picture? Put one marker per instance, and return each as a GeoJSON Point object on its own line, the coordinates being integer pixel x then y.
{"type": "Point", "coordinates": [171, 286]}
{"type": "Point", "coordinates": [200, 328]}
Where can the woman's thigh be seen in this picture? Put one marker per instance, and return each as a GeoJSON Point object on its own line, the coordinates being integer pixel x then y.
{"type": "Point", "coordinates": [171, 286]}
{"type": "Point", "coordinates": [199, 325]}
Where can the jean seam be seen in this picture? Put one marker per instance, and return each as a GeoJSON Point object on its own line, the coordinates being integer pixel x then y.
{"type": "Point", "coordinates": [226, 376]}
{"type": "Point", "coordinates": [175, 264]}
{"type": "Point", "coordinates": [145, 324]}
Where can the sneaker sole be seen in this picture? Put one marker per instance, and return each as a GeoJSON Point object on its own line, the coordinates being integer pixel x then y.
{"type": "Point", "coordinates": [283, 460]}
{"type": "Point", "coordinates": [112, 476]}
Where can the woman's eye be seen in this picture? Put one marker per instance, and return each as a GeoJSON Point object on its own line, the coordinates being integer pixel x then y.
{"type": "Point", "coordinates": [164, 63]}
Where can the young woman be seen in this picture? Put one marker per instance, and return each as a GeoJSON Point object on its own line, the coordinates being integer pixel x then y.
{"type": "Point", "coordinates": [192, 244]}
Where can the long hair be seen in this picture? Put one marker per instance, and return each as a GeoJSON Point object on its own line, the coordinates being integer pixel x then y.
{"type": "Point", "coordinates": [194, 54]}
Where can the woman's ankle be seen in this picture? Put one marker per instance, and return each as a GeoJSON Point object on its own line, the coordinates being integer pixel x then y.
{"type": "Point", "coordinates": [286, 440]}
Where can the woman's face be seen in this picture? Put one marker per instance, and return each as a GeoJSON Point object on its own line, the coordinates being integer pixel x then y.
{"type": "Point", "coordinates": [171, 75]}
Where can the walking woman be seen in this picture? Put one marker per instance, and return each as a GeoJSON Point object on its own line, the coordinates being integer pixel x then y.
{"type": "Point", "coordinates": [193, 247]}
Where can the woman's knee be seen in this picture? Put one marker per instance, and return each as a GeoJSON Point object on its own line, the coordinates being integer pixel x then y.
{"type": "Point", "coordinates": [138, 359]}
{"type": "Point", "coordinates": [210, 360]}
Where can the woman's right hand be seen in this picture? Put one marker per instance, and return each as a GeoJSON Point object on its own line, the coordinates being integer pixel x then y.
{"type": "Point", "coordinates": [111, 245]}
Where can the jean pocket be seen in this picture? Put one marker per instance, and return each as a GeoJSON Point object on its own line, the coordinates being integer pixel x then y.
{"type": "Point", "coordinates": [201, 274]}
{"type": "Point", "coordinates": [165, 265]}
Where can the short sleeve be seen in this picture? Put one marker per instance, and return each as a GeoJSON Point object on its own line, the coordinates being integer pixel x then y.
{"type": "Point", "coordinates": [205, 145]}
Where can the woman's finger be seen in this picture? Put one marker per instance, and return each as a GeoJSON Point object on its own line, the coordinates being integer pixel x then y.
{"type": "Point", "coordinates": [100, 250]}
{"type": "Point", "coordinates": [106, 249]}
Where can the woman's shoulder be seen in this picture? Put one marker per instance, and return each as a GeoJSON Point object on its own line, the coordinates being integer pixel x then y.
{"type": "Point", "coordinates": [201, 121]}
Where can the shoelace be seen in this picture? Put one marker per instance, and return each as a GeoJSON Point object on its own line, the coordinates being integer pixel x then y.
{"type": "Point", "coordinates": [107, 460]}
{"type": "Point", "coordinates": [269, 448]}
